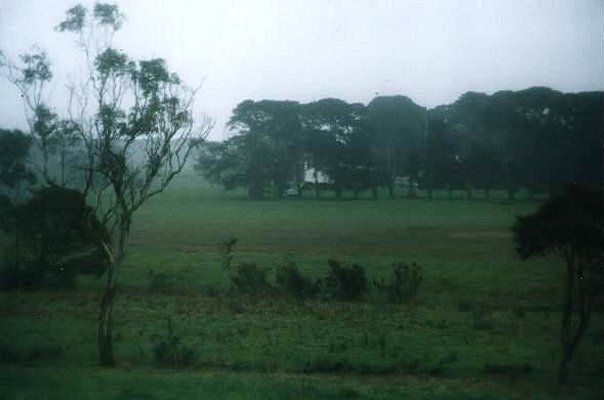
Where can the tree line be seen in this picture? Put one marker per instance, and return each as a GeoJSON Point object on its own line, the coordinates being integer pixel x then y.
{"type": "Point", "coordinates": [536, 139]}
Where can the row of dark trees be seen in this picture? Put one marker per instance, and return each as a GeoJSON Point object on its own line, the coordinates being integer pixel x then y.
{"type": "Point", "coordinates": [537, 139]}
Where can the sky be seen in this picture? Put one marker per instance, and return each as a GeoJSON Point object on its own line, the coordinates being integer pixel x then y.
{"type": "Point", "coordinates": [431, 51]}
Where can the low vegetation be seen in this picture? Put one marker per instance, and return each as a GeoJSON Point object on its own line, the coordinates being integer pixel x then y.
{"type": "Point", "coordinates": [464, 319]}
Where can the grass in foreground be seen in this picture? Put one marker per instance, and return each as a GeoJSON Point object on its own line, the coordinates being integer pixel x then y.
{"type": "Point", "coordinates": [483, 324]}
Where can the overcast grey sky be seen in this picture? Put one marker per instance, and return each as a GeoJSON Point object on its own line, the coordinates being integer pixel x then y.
{"type": "Point", "coordinates": [432, 51]}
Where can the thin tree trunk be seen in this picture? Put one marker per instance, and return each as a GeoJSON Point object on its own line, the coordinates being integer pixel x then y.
{"type": "Point", "coordinates": [391, 189]}
{"type": "Point", "coordinates": [566, 326]}
{"type": "Point", "coordinates": [45, 161]}
{"type": "Point", "coordinates": [63, 168]}
{"type": "Point", "coordinates": [105, 334]}
{"type": "Point", "coordinates": [17, 245]}
{"type": "Point", "coordinates": [572, 336]}
{"type": "Point", "coordinates": [105, 337]}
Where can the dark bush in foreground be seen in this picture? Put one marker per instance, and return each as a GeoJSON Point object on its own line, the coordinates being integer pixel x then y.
{"type": "Point", "coordinates": [250, 280]}
{"type": "Point", "coordinates": [345, 282]}
{"type": "Point", "coordinates": [162, 282]}
{"type": "Point", "coordinates": [36, 354]}
{"type": "Point", "coordinates": [33, 275]}
{"type": "Point", "coordinates": [170, 352]}
{"type": "Point", "coordinates": [291, 282]}
{"type": "Point", "coordinates": [404, 283]}
{"type": "Point", "coordinates": [508, 370]}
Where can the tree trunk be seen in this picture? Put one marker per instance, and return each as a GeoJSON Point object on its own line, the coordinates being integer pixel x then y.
{"type": "Point", "coordinates": [63, 168]}
{"type": "Point", "coordinates": [256, 190]}
{"type": "Point", "coordinates": [566, 326]}
{"type": "Point", "coordinates": [374, 192]}
{"type": "Point", "coordinates": [411, 189]}
{"type": "Point", "coordinates": [116, 257]}
{"type": "Point", "coordinates": [571, 336]}
{"type": "Point", "coordinates": [105, 338]}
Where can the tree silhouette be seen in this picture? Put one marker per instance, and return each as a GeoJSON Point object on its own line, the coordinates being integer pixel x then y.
{"type": "Point", "coordinates": [135, 129]}
{"type": "Point", "coordinates": [570, 225]}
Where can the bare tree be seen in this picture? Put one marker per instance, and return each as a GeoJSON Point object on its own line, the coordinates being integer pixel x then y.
{"type": "Point", "coordinates": [133, 122]}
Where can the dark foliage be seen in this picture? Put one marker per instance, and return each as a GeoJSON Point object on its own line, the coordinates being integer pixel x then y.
{"type": "Point", "coordinates": [404, 283]}
{"type": "Point", "coordinates": [570, 225]}
{"type": "Point", "coordinates": [56, 237]}
{"type": "Point", "coordinates": [344, 282]}
{"type": "Point", "coordinates": [508, 370]}
{"type": "Point", "coordinates": [249, 279]}
{"type": "Point", "coordinates": [571, 219]}
{"type": "Point", "coordinates": [163, 282]}
{"type": "Point", "coordinates": [14, 148]}
{"type": "Point", "coordinates": [168, 351]}
{"type": "Point", "coordinates": [38, 353]}
{"type": "Point", "coordinates": [291, 282]}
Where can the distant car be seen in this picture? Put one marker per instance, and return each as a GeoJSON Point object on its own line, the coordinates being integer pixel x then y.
{"type": "Point", "coordinates": [292, 192]}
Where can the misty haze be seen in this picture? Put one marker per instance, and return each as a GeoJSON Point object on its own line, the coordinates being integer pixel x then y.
{"type": "Point", "coordinates": [301, 199]}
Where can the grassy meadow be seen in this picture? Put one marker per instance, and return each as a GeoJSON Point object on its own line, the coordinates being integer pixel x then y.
{"type": "Point", "coordinates": [483, 325]}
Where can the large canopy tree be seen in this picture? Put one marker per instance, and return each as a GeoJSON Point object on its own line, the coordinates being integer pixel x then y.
{"type": "Point", "coordinates": [14, 150]}
{"type": "Point", "coordinates": [265, 149]}
{"type": "Point", "coordinates": [134, 126]}
{"type": "Point", "coordinates": [571, 225]}
{"type": "Point", "coordinates": [339, 143]}
{"type": "Point", "coordinates": [399, 126]}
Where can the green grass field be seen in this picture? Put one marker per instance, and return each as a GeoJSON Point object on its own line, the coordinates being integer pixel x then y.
{"type": "Point", "coordinates": [484, 325]}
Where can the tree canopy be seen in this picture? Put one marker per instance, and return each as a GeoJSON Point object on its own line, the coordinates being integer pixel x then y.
{"type": "Point", "coordinates": [536, 139]}
{"type": "Point", "coordinates": [128, 132]}
{"type": "Point", "coordinates": [571, 224]}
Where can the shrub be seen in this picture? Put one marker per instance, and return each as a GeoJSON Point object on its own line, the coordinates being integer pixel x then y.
{"type": "Point", "coordinates": [344, 282]}
{"type": "Point", "coordinates": [250, 280]}
{"type": "Point", "coordinates": [290, 281]}
{"type": "Point", "coordinates": [404, 283]}
{"type": "Point", "coordinates": [38, 353]}
{"type": "Point", "coordinates": [482, 318]}
{"type": "Point", "coordinates": [31, 275]}
{"type": "Point", "coordinates": [225, 249]}
{"type": "Point", "coordinates": [170, 352]}
{"type": "Point", "coordinates": [162, 282]}
{"type": "Point", "coordinates": [508, 370]}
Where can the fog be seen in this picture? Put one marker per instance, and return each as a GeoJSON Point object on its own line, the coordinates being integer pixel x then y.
{"type": "Point", "coordinates": [307, 50]}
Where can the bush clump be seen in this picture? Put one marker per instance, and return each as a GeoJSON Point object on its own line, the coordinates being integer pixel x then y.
{"type": "Point", "coordinates": [291, 282]}
{"type": "Point", "coordinates": [31, 275]}
{"type": "Point", "coordinates": [344, 282]}
{"type": "Point", "coordinates": [169, 352]}
{"type": "Point", "coordinates": [404, 283]}
{"type": "Point", "coordinates": [163, 282]}
{"type": "Point", "coordinates": [249, 279]}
